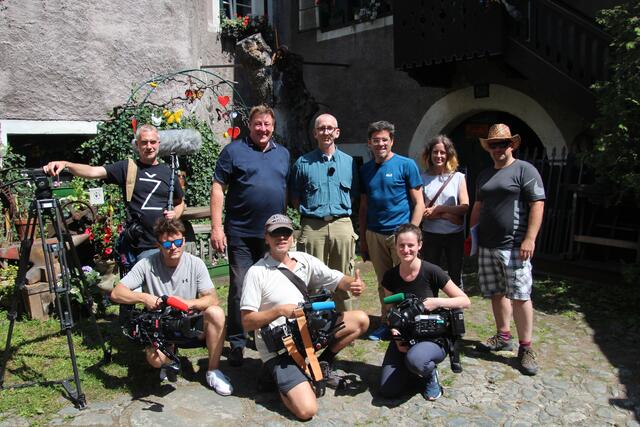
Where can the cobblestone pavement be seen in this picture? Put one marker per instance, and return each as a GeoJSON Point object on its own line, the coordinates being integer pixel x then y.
{"type": "Point", "coordinates": [589, 375]}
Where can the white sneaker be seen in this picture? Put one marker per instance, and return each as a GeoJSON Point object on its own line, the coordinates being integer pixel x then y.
{"type": "Point", "coordinates": [219, 382]}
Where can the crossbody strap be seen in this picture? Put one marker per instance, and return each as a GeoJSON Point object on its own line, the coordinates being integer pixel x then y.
{"type": "Point", "coordinates": [433, 200]}
{"type": "Point", "coordinates": [132, 171]}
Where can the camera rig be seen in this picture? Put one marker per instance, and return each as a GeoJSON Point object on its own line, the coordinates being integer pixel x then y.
{"type": "Point", "coordinates": [172, 323]}
{"type": "Point", "coordinates": [415, 324]}
{"type": "Point", "coordinates": [312, 329]}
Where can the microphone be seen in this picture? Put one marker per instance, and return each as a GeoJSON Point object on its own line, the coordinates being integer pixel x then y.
{"type": "Point", "coordinates": [323, 305]}
{"type": "Point", "coordinates": [175, 303]}
{"type": "Point", "coordinates": [392, 299]}
{"type": "Point", "coordinates": [179, 142]}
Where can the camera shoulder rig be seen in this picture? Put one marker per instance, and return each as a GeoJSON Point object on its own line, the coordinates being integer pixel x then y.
{"type": "Point", "coordinates": [415, 324]}
{"type": "Point", "coordinates": [172, 323]}
{"type": "Point", "coordinates": [312, 328]}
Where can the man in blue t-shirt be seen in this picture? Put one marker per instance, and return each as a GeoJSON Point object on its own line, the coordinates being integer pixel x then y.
{"type": "Point", "coordinates": [253, 172]}
{"type": "Point", "coordinates": [391, 195]}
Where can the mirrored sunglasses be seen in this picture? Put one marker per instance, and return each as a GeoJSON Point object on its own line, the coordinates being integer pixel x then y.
{"type": "Point", "coordinates": [167, 243]}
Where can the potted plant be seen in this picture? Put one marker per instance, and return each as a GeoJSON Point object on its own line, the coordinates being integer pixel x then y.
{"type": "Point", "coordinates": [232, 30]}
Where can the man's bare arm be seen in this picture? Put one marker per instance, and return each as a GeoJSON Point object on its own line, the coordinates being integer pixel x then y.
{"type": "Point", "coordinates": [252, 320]}
{"type": "Point", "coordinates": [218, 238]}
{"type": "Point", "coordinates": [528, 245]}
{"type": "Point", "coordinates": [205, 300]}
{"type": "Point", "coordinates": [417, 200]}
{"type": "Point", "coordinates": [77, 169]}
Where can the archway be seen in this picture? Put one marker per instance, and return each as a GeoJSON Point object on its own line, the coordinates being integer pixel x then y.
{"type": "Point", "coordinates": [473, 158]}
{"type": "Point", "coordinates": [456, 107]}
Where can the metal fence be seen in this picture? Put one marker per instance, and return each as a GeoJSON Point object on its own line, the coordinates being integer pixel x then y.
{"type": "Point", "coordinates": [580, 220]}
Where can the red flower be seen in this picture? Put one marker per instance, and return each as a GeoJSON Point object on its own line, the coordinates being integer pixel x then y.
{"type": "Point", "coordinates": [107, 251]}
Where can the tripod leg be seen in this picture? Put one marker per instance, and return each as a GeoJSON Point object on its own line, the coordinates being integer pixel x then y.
{"type": "Point", "coordinates": [76, 271]}
{"type": "Point", "coordinates": [78, 396]}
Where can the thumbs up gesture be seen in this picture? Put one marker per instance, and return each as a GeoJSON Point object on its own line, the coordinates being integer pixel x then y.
{"type": "Point", "coordinates": [357, 286]}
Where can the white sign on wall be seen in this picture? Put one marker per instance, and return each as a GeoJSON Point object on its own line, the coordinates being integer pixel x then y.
{"type": "Point", "coordinates": [96, 196]}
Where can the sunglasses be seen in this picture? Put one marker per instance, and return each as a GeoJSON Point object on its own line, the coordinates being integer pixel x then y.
{"type": "Point", "coordinates": [167, 243]}
{"type": "Point", "coordinates": [284, 232]}
{"type": "Point", "coordinates": [505, 143]}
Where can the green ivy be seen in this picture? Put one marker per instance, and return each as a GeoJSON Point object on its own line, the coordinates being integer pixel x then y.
{"type": "Point", "coordinates": [200, 166]}
{"type": "Point", "coordinates": [113, 143]}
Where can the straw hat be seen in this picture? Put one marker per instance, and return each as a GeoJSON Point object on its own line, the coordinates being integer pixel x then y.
{"type": "Point", "coordinates": [500, 132]}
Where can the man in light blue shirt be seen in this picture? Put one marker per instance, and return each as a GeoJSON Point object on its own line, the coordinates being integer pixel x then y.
{"type": "Point", "coordinates": [323, 184]}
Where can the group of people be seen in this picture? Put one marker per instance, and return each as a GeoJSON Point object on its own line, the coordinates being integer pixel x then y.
{"type": "Point", "coordinates": [407, 221]}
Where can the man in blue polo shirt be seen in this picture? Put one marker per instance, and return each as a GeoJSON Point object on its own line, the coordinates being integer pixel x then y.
{"type": "Point", "coordinates": [322, 184]}
{"type": "Point", "coordinates": [254, 172]}
{"type": "Point", "coordinates": [391, 196]}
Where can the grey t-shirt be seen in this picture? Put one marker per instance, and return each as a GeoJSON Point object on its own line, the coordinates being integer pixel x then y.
{"type": "Point", "coordinates": [186, 280]}
{"type": "Point", "coordinates": [505, 195]}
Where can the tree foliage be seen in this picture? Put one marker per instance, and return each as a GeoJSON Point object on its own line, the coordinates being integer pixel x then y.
{"type": "Point", "coordinates": [616, 154]}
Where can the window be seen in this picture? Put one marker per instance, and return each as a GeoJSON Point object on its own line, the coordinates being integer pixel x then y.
{"type": "Point", "coordinates": [339, 13]}
{"type": "Point", "coordinates": [233, 8]}
{"type": "Point", "coordinates": [219, 9]}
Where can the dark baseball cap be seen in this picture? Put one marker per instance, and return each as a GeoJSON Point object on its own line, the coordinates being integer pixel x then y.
{"type": "Point", "coordinates": [278, 221]}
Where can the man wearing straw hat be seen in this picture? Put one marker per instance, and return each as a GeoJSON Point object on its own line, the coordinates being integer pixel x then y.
{"type": "Point", "coordinates": [508, 211]}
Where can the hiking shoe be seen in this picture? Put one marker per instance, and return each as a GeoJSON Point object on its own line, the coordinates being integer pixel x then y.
{"type": "Point", "coordinates": [433, 389]}
{"type": "Point", "coordinates": [381, 334]}
{"type": "Point", "coordinates": [495, 343]}
{"type": "Point", "coordinates": [169, 372]}
{"type": "Point", "coordinates": [527, 358]}
{"type": "Point", "coordinates": [331, 378]}
{"type": "Point", "coordinates": [219, 382]}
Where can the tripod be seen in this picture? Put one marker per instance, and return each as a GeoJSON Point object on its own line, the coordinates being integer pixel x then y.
{"type": "Point", "coordinates": [46, 210]}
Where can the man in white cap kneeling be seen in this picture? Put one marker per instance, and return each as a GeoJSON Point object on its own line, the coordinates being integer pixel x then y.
{"type": "Point", "coordinates": [272, 291]}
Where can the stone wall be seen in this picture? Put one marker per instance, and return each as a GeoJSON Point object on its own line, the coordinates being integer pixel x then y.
{"type": "Point", "coordinates": [76, 60]}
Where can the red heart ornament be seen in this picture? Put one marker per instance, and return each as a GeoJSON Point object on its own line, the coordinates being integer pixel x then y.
{"type": "Point", "coordinates": [233, 132]}
{"type": "Point", "coordinates": [223, 100]}
{"type": "Point", "coordinates": [134, 124]}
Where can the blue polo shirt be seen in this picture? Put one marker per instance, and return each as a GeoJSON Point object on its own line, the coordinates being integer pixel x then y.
{"type": "Point", "coordinates": [256, 185]}
{"type": "Point", "coordinates": [387, 188]}
{"type": "Point", "coordinates": [324, 186]}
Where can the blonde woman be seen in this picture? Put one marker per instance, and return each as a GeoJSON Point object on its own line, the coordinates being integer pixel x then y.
{"type": "Point", "coordinates": [447, 201]}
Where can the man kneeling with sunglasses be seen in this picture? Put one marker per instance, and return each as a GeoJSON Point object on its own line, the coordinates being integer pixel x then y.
{"type": "Point", "coordinates": [174, 273]}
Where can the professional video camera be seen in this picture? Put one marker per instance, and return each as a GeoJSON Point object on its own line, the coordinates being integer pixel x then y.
{"type": "Point", "coordinates": [321, 318]}
{"type": "Point", "coordinates": [415, 324]}
{"type": "Point", "coordinates": [173, 323]}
